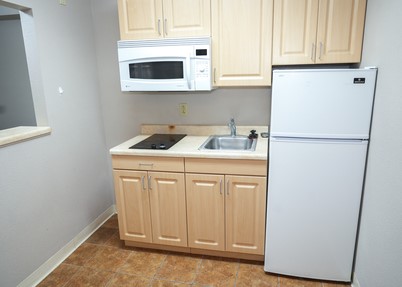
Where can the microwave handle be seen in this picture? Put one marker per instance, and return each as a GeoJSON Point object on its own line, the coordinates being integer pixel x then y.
{"type": "Point", "coordinates": [188, 67]}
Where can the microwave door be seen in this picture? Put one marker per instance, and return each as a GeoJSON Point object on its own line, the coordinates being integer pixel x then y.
{"type": "Point", "coordinates": [157, 74]}
{"type": "Point", "coordinates": [156, 69]}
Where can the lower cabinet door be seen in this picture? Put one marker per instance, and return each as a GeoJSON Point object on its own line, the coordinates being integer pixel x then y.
{"type": "Point", "coordinates": [205, 211]}
{"type": "Point", "coordinates": [168, 208]}
{"type": "Point", "coordinates": [245, 214]}
{"type": "Point", "coordinates": [133, 205]}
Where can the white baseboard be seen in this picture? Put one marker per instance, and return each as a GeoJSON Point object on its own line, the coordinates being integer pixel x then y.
{"type": "Point", "coordinates": [355, 282]}
{"type": "Point", "coordinates": [46, 268]}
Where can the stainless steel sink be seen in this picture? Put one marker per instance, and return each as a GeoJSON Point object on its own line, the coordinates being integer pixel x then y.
{"type": "Point", "coordinates": [227, 142]}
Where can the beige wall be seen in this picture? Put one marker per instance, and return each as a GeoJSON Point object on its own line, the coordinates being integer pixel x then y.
{"type": "Point", "coordinates": [52, 187]}
{"type": "Point", "coordinates": [379, 253]}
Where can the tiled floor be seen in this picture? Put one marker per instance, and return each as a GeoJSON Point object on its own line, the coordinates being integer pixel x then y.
{"type": "Point", "coordinates": [104, 261]}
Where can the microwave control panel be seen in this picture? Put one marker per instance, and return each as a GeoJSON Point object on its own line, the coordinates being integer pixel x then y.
{"type": "Point", "coordinates": [202, 69]}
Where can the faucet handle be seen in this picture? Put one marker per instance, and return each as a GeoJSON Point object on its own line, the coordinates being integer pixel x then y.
{"type": "Point", "coordinates": [253, 135]}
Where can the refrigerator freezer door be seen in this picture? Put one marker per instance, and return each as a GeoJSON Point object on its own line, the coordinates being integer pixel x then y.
{"type": "Point", "coordinates": [322, 103]}
{"type": "Point", "coordinates": [314, 193]}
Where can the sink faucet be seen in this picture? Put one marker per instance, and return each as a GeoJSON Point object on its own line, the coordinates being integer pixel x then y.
{"type": "Point", "coordinates": [232, 127]}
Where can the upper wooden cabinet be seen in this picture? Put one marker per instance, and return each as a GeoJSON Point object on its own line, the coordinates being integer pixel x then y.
{"type": "Point", "coordinates": [154, 19]}
{"type": "Point", "coordinates": [241, 42]}
{"type": "Point", "coordinates": [318, 31]}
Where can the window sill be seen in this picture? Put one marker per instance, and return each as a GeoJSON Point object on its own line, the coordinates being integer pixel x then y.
{"type": "Point", "coordinates": [19, 134]}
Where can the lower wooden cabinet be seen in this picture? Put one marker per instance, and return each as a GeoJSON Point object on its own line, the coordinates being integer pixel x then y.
{"type": "Point", "coordinates": [245, 214]}
{"type": "Point", "coordinates": [151, 207]}
{"type": "Point", "coordinates": [226, 213]}
{"type": "Point", "coordinates": [132, 201]}
{"type": "Point", "coordinates": [213, 207]}
{"type": "Point", "coordinates": [206, 211]}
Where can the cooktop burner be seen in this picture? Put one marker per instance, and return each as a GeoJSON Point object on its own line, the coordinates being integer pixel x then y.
{"type": "Point", "coordinates": [159, 141]}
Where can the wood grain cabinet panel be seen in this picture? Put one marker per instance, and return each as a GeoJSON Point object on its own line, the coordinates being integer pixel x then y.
{"type": "Point", "coordinates": [205, 211]}
{"type": "Point", "coordinates": [295, 31]}
{"type": "Point", "coordinates": [133, 207]}
{"type": "Point", "coordinates": [151, 205]}
{"type": "Point", "coordinates": [241, 42]}
{"type": "Point", "coordinates": [226, 212]}
{"type": "Point", "coordinates": [318, 31]}
{"type": "Point", "coordinates": [193, 211]}
{"type": "Point", "coordinates": [340, 31]}
{"type": "Point", "coordinates": [187, 18]}
{"type": "Point", "coordinates": [168, 208]}
{"type": "Point", "coordinates": [155, 19]}
{"type": "Point", "coordinates": [245, 214]}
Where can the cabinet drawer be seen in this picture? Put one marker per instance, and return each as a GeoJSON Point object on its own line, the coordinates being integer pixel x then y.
{"type": "Point", "coordinates": [148, 163]}
{"type": "Point", "coordinates": [227, 166]}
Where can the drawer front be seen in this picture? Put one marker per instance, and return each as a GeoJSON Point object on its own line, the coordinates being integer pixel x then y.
{"type": "Point", "coordinates": [148, 163]}
{"type": "Point", "coordinates": [226, 166]}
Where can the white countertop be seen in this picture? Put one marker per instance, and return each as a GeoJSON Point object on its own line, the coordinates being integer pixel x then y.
{"type": "Point", "coordinates": [188, 147]}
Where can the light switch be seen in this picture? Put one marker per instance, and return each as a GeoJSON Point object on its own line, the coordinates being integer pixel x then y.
{"type": "Point", "coordinates": [63, 2]}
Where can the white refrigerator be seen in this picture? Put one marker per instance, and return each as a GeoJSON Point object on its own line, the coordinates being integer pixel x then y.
{"type": "Point", "coordinates": [320, 126]}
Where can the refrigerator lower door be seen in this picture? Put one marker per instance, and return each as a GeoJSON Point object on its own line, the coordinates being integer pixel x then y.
{"type": "Point", "coordinates": [314, 194]}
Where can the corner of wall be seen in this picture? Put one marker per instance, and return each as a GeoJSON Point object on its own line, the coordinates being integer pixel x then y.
{"type": "Point", "coordinates": [355, 282]}
{"type": "Point", "coordinates": [53, 262]}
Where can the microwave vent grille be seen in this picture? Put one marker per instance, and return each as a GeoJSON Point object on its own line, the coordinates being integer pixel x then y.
{"type": "Point", "coordinates": [164, 42]}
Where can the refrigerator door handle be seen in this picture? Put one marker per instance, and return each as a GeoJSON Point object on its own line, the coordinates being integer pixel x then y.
{"type": "Point", "coordinates": [322, 140]}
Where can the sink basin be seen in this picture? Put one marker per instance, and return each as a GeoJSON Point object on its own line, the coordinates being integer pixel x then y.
{"type": "Point", "coordinates": [227, 142]}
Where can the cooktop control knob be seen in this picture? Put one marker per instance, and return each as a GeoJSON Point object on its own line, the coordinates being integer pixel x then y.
{"type": "Point", "coordinates": [162, 146]}
{"type": "Point", "coordinates": [153, 146]}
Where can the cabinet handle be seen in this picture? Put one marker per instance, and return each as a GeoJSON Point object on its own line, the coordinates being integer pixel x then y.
{"type": "Point", "coordinates": [227, 187]}
{"type": "Point", "coordinates": [143, 182]}
{"type": "Point", "coordinates": [320, 54]}
{"type": "Point", "coordinates": [312, 51]}
{"type": "Point", "coordinates": [159, 27]}
{"type": "Point", "coordinates": [149, 182]}
{"type": "Point", "coordinates": [220, 187]}
{"type": "Point", "coordinates": [165, 27]}
{"type": "Point", "coordinates": [150, 165]}
{"type": "Point", "coordinates": [214, 75]}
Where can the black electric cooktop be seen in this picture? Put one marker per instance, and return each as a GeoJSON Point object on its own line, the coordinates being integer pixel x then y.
{"type": "Point", "coordinates": [159, 141]}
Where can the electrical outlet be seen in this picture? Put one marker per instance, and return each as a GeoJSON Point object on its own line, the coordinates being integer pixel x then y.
{"type": "Point", "coordinates": [63, 2]}
{"type": "Point", "coordinates": [183, 109]}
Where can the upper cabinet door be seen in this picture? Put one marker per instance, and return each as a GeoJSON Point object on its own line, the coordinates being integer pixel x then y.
{"type": "Point", "coordinates": [241, 40]}
{"type": "Point", "coordinates": [154, 19]}
{"type": "Point", "coordinates": [294, 33]}
{"type": "Point", "coordinates": [340, 31]}
{"type": "Point", "coordinates": [140, 19]}
{"type": "Point", "coordinates": [187, 18]}
{"type": "Point", "coordinates": [318, 31]}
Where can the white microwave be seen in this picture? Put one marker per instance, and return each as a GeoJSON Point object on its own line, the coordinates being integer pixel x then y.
{"type": "Point", "coordinates": [165, 65]}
